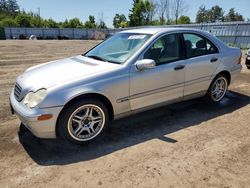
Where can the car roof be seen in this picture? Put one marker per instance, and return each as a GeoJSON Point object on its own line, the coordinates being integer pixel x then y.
{"type": "Point", "coordinates": [161, 30]}
{"type": "Point", "coordinates": [154, 30]}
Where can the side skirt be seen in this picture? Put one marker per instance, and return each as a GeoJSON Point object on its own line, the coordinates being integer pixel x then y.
{"type": "Point", "coordinates": [185, 98]}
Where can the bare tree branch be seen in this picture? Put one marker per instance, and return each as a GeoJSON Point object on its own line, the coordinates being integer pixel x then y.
{"type": "Point", "coordinates": [179, 6]}
{"type": "Point", "coordinates": [162, 9]}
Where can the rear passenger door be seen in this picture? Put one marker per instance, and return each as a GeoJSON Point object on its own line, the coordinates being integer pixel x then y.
{"type": "Point", "coordinates": [202, 60]}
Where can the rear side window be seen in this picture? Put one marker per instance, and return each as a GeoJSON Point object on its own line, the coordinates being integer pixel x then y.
{"type": "Point", "coordinates": [197, 45]}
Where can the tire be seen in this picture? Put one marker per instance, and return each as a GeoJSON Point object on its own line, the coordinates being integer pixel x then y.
{"type": "Point", "coordinates": [217, 89]}
{"type": "Point", "coordinates": [83, 122]}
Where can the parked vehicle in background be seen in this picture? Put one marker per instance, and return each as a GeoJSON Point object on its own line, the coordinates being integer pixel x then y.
{"type": "Point", "coordinates": [130, 72]}
{"type": "Point", "coordinates": [248, 59]}
{"type": "Point", "coordinates": [22, 37]}
{"type": "Point", "coordinates": [32, 37]}
{"type": "Point", "coordinates": [64, 37]}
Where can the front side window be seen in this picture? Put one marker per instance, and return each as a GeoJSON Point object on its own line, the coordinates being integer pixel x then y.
{"type": "Point", "coordinates": [164, 50]}
{"type": "Point", "coordinates": [197, 45]}
{"type": "Point", "coordinates": [118, 48]}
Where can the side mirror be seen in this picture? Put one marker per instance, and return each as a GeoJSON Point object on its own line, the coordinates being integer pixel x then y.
{"type": "Point", "coordinates": [145, 64]}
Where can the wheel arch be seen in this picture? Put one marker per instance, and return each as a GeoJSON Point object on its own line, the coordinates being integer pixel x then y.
{"type": "Point", "coordinates": [227, 74]}
{"type": "Point", "coordinates": [96, 96]}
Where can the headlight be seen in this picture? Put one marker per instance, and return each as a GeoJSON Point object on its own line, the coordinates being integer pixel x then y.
{"type": "Point", "coordinates": [33, 99]}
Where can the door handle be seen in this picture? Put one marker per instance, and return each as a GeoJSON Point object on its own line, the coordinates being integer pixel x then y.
{"type": "Point", "coordinates": [179, 67]}
{"type": "Point", "coordinates": [214, 59]}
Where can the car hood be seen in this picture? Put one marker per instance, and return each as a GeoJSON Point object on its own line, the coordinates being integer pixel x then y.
{"type": "Point", "coordinates": [62, 71]}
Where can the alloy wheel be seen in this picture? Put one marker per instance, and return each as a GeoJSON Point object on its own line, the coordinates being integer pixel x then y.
{"type": "Point", "coordinates": [219, 89]}
{"type": "Point", "coordinates": [86, 122]}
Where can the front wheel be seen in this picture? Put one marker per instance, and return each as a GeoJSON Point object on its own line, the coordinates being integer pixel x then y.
{"type": "Point", "coordinates": [218, 89]}
{"type": "Point", "coordinates": [83, 121]}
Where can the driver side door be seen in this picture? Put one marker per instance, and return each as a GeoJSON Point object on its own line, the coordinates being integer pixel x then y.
{"type": "Point", "coordinates": [163, 83]}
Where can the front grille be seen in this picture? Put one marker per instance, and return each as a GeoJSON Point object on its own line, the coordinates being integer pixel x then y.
{"type": "Point", "coordinates": [17, 92]}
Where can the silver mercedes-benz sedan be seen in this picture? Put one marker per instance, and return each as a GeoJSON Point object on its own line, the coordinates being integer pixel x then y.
{"type": "Point", "coordinates": [133, 71]}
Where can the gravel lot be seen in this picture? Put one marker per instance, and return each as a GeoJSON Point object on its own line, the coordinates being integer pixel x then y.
{"type": "Point", "coordinates": [190, 144]}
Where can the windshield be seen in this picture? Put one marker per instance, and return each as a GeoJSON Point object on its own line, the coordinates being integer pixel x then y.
{"type": "Point", "coordinates": [118, 48]}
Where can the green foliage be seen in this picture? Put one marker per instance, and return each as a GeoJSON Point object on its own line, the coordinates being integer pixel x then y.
{"type": "Point", "coordinates": [90, 23]}
{"type": "Point", "coordinates": [65, 24]}
{"type": "Point", "coordinates": [24, 20]}
{"type": "Point", "coordinates": [50, 23]}
{"type": "Point", "coordinates": [141, 13]}
{"type": "Point", "coordinates": [158, 22]}
{"type": "Point", "coordinates": [75, 23]}
{"type": "Point", "coordinates": [11, 16]}
{"type": "Point", "coordinates": [202, 15]}
{"type": "Point", "coordinates": [184, 20]}
{"type": "Point", "coordinates": [233, 16]}
{"type": "Point", "coordinates": [120, 21]}
{"type": "Point", "coordinates": [8, 22]}
{"type": "Point", "coordinates": [102, 25]}
{"type": "Point", "coordinates": [216, 14]}
{"type": "Point", "coordinates": [9, 7]}
{"type": "Point", "coordinates": [124, 24]}
{"type": "Point", "coordinates": [36, 21]}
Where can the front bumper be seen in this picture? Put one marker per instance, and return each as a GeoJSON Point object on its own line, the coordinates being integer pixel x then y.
{"type": "Point", "coordinates": [41, 129]}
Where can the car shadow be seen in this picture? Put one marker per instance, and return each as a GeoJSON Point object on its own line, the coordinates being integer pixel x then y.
{"type": "Point", "coordinates": [153, 124]}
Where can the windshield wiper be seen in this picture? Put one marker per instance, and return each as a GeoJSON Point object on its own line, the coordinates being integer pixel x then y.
{"type": "Point", "coordinates": [101, 59]}
{"type": "Point", "coordinates": [97, 58]}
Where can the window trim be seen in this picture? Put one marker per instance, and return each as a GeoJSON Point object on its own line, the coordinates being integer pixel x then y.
{"type": "Point", "coordinates": [181, 50]}
{"type": "Point", "coordinates": [204, 38]}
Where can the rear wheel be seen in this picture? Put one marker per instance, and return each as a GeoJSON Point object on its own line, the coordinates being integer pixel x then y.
{"type": "Point", "coordinates": [83, 121]}
{"type": "Point", "coordinates": [218, 88]}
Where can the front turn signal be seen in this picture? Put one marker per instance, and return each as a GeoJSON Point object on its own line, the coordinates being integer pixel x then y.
{"type": "Point", "coordinates": [44, 117]}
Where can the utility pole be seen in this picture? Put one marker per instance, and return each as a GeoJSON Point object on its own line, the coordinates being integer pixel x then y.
{"type": "Point", "coordinates": [39, 17]}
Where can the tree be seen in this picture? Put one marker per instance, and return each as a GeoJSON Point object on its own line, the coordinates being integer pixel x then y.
{"type": "Point", "coordinates": [36, 20]}
{"type": "Point", "coordinates": [3, 6]}
{"type": "Point", "coordinates": [162, 9]}
{"type": "Point", "coordinates": [23, 20]}
{"type": "Point", "coordinates": [142, 13]}
{"type": "Point", "coordinates": [150, 9]}
{"type": "Point", "coordinates": [75, 23]}
{"type": "Point", "coordinates": [119, 20]}
{"type": "Point", "coordinates": [50, 23]}
{"type": "Point", "coordinates": [8, 22]}
{"type": "Point", "coordinates": [90, 23]}
{"type": "Point", "coordinates": [65, 24]}
{"type": "Point", "coordinates": [135, 16]}
{"type": "Point", "coordinates": [9, 6]}
{"type": "Point", "coordinates": [216, 14]}
{"type": "Point", "coordinates": [12, 7]}
{"type": "Point", "coordinates": [233, 16]}
{"type": "Point", "coordinates": [178, 7]}
{"type": "Point", "coordinates": [184, 20]}
{"type": "Point", "coordinates": [202, 15]}
{"type": "Point", "coordinates": [102, 25]}
{"type": "Point", "coordinates": [124, 24]}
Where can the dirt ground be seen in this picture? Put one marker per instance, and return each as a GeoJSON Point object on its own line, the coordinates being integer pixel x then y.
{"type": "Point", "coordinates": [190, 144]}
